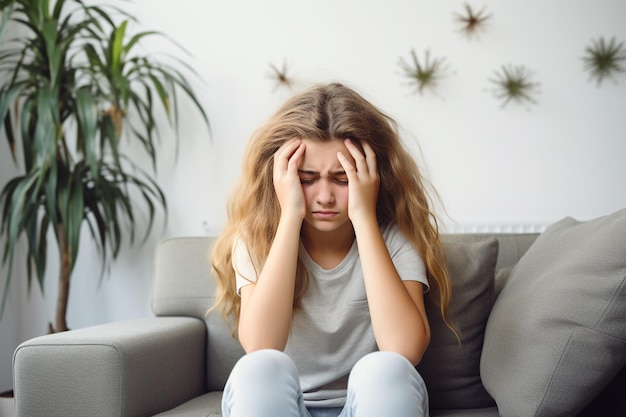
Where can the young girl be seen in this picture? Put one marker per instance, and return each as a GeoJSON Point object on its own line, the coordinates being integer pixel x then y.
{"type": "Point", "coordinates": [329, 248]}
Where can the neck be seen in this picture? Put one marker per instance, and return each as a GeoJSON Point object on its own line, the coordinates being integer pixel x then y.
{"type": "Point", "coordinates": [328, 247]}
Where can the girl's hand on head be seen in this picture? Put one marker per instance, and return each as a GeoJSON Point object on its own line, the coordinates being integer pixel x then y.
{"type": "Point", "coordinates": [363, 180]}
{"type": "Point", "coordinates": [286, 179]}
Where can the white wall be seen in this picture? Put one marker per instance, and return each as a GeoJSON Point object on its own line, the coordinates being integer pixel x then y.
{"type": "Point", "coordinates": [492, 166]}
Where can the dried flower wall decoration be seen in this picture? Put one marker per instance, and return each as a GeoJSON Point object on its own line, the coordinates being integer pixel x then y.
{"type": "Point", "coordinates": [426, 74]}
{"type": "Point", "coordinates": [604, 59]}
{"type": "Point", "coordinates": [280, 76]}
{"type": "Point", "coordinates": [472, 22]}
{"type": "Point", "coordinates": [514, 83]}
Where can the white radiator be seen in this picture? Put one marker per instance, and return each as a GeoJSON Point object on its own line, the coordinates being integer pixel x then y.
{"type": "Point", "coordinates": [537, 227]}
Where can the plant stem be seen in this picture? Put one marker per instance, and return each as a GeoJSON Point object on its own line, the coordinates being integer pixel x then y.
{"type": "Point", "coordinates": [64, 282]}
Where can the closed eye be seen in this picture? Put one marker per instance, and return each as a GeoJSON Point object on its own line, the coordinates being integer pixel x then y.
{"type": "Point", "coordinates": [307, 177]}
{"type": "Point", "coordinates": [342, 179]}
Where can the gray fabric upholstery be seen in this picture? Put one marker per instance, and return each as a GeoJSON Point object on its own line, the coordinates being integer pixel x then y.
{"type": "Point", "coordinates": [450, 366]}
{"type": "Point", "coordinates": [209, 405]}
{"type": "Point", "coordinates": [182, 280]}
{"type": "Point", "coordinates": [468, 412]}
{"type": "Point", "coordinates": [134, 368]}
{"type": "Point", "coordinates": [183, 286]}
{"type": "Point", "coordinates": [557, 333]}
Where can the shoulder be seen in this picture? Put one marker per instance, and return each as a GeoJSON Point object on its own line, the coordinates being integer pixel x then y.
{"type": "Point", "coordinates": [245, 271]}
{"type": "Point", "coordinates": [397, 242]}
{"type": "Point", "coordinates": [407, 260]}
{"type": "Point", "coordinates": [393, 236]}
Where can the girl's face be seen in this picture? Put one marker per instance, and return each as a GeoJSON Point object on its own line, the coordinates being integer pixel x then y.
{"type": "Point", "coordinates": [325, 186]}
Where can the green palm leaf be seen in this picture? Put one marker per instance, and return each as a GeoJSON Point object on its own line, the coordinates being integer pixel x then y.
{"type": "Point", "coordinates": [77, 71]}
{"type": "Point", "coordinates": [87, 117]}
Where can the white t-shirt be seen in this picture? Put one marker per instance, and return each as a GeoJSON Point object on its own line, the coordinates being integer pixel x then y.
{"type": "Point", "coordinates": [333, 330]}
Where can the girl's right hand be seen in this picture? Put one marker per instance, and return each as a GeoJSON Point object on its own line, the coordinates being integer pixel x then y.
{"type": "Point", "coordinates": [286, 179]}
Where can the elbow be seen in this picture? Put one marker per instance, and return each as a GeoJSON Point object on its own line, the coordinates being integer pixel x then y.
{"type": "Point", "coordinates": [422, 345]}
{"type": "Point", "coordinates": [251, 341]}
{"type": "Point", "coordinates": [410, 342]}
{"type": "Point", "coordinates": [253, 346]}
{"type": "Point", "coordinates": [415, 349]}
{"type": "Point", "coordinates": [412, 348]}
{"type": "Point", "coordinates": [412, 352]}
{"type": "Point", "coordinates": [415, 355]}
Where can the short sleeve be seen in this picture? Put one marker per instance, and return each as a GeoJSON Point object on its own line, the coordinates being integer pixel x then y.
{"type": "Point", "coordinates": [406, 259]}
{"type": "Point", "coordinates": [245, 272]}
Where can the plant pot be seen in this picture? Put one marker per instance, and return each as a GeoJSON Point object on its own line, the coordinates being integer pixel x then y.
{"type": "Point", "coordinates": [7, 404]}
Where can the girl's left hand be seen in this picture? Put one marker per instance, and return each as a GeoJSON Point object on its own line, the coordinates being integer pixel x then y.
{"type": "Point", "coordinates": [363, 181]}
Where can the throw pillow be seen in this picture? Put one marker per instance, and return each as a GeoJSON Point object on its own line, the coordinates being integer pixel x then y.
{"type": "Point", "coordinates": [451, 369]}
{"type": "Point", "coordinates": [557, 332]}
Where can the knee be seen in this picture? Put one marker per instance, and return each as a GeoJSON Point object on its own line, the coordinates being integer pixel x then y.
{"type": "Point", "coordinates": [386, 381]}
{"type": "Point", "coordinates": [262, 383]}
{"type": "Point", "coordinates": [383, 366]}
{"type": "Point", "coordinates": [383, 371]}
{"type": "Point", "coordinates": [263, 365]}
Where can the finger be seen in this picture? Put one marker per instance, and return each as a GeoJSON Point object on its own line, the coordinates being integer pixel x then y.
{"type": "Point", "coordinates": [284, 152]}
{"type": "Point", "coordinates": [296, 157]}
{"type": "Point", "coordinates": [359, 158]}
{"type": "Point", "coordinates": [370, 157]}
{"type": "Point", "coordinates": [289, 147]}
{"type": "Point", "coordinates": [347, 166]}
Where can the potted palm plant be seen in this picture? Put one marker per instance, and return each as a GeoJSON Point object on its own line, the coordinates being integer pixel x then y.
{"type": "Point", "coordinates": [74, 90]}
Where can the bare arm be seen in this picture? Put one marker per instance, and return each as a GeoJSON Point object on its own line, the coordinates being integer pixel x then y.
{"type": "Point", "coordinates": [267, 304]}
{"type": "Point", "coordinates": [396, 307]}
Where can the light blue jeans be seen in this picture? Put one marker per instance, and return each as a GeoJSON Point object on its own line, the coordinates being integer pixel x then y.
{"type": "Point", "coordinates": [266, 384]}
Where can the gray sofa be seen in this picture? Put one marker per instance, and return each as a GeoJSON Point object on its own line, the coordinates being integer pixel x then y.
{"type": "Point", "coordinates": [542, 320]}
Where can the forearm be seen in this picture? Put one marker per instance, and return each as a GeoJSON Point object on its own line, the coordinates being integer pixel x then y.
{"type": "Point", "coordinates": [265, 317]}
{"type": "Point", "coordinates": [399, 322]}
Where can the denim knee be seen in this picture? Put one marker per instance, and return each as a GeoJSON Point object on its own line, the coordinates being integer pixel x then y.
{"type": "Point", "coordinates": [386, 383]}
{"type": "Point", "coordinates": [263, 383]}
{"type": "Point", "coordinates": [382, 367]}
{"type": "Point", "coordinates": [264, 365]}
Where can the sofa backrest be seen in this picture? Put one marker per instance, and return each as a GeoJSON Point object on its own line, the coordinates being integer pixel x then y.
{"type": "Point", "coordinates": [183, 286]}
{"type": "Point", "coordinates": [511, 248]}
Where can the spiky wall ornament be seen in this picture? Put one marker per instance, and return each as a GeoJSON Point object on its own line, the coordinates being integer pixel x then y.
{"type": "Point", "coordinates": [514, 83]}
{"type": "Point", "coordinates": [604, 59]}
{"type": "Point", "coordinates": [280, 76]}
{"type": "Point", "coordinates": [426, 74]}
{"type": "Point", "coordinates": [471, 22]}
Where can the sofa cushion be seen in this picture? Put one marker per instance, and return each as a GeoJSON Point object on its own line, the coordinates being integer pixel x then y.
{"type": "Point", "coordinates": [557, 332]}
{"type": "Point", "coordinates": [207, 405]}
{"type": "Point", "coordinates": [449, 368]}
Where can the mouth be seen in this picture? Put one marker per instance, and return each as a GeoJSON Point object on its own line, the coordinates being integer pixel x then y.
{"type": "Point", "coordinates": [325, 214]}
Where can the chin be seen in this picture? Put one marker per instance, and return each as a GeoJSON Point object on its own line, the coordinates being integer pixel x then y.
{"type": "Point", "coordinates": [327, 226]}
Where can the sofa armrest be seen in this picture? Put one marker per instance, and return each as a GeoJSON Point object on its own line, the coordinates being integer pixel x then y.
{"type": "Point", "coordinates": [130, 368]}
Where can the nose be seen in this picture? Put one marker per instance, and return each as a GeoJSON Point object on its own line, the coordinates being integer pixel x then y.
{"type": "Point", "coordinates": [325, 193]}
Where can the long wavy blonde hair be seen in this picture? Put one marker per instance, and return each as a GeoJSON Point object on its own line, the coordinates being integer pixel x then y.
{"type": "Point", "coordinates": [324, 113]}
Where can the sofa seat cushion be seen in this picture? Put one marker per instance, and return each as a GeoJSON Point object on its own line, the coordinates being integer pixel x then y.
{"type": "Point", "coordinates": [451, 368]}
{"type": "Point", "coordinates": [557, 333]}
{"type": "Point", "coordinates": [469, 412]}
{"type": "Point", "coordinates": [207, 405]}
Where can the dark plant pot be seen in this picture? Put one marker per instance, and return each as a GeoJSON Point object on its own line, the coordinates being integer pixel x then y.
{"type": "Point", "coordinates": [7, 404]}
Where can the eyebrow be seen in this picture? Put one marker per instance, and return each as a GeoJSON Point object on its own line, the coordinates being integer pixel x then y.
{"type": "Point", "coordinates": [310, 172]}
